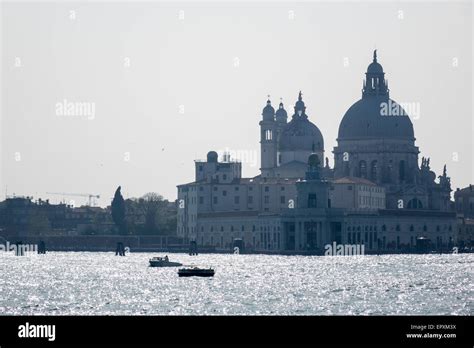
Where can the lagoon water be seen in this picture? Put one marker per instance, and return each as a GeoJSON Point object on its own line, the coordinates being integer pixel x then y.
{"type": "Point", "coordinates": [94, 283]}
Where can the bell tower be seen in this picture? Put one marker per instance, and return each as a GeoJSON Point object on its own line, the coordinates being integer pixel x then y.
{"type": "Point", "coordinates": [268, 140]}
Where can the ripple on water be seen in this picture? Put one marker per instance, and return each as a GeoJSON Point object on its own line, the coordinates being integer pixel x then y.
{"type": "Point", "coordinates": [99, 283]}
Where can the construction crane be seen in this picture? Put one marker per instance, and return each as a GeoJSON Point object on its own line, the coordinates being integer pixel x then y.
{"type": "Point", "coordinates": [89, 195]}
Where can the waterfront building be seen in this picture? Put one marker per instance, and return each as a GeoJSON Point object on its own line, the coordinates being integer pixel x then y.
{"type": "Point", "coordinates": [464, 205]}
{"type": "Point", "coordinates": [377, 193]}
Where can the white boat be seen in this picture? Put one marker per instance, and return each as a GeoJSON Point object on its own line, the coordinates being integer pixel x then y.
{"type": "Point", "coordinates": [163, 262]}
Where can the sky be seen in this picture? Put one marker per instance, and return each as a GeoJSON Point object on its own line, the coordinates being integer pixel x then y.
{"type": "Point", "coordinates": [100, 94]}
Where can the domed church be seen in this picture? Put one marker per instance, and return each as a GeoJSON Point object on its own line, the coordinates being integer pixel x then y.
{"type": "Point", "coordinates": [376, 196]}
{"type": "Point", "coordinates": [286, 146]}
{"type": "Point", "coordinates": [379, 146]}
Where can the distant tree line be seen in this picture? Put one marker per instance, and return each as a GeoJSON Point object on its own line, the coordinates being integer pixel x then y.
{"type": "Point", "coordinates": [147, 215]}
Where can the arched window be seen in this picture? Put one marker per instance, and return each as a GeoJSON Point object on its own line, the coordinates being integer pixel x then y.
{"type": "Point", "coordinates": [373, 170]}
{"type": "Point", "coordinates": [363, 169]}
{"type": "Point", "coordinates": [312, 200]}
{"type": "Point", "coordinates": [268, 134]}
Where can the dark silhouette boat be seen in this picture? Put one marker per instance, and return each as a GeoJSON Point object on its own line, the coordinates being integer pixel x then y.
{"type": "Point", "coordinates": [196, 272]}
{"type": "Point", "coordinates": [163, 262]}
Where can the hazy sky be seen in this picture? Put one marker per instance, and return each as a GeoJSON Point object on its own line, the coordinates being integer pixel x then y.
{"type": "Point", "coordinates": [166, 82]}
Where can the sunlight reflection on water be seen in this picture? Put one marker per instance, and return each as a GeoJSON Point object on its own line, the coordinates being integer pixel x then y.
{"type": "Point", "coordinates": [86, 283]}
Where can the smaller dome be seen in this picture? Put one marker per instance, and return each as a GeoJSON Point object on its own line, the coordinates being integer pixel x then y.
{"type": "Point", "coordinates": [374, 68]}
{"type": "Point", "coordinates": [281, 114]}
{"type": "Point", "coordinates": [299, 105]}
{"type": "Point", "coordinates": [300, 134]}
{"type": "Point", "coordinates": [268, 111]}
{"type": "Point", "coordinates": [212, 157]}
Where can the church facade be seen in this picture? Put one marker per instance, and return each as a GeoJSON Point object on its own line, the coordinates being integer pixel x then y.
{"type": "Point", "coordinates": [376, 195]}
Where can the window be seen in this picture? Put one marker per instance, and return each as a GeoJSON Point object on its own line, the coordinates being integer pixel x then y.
{"type": "Point", "coordinates": [282, 188]}
{"type": "Point", "coordinates": [268, 134]}
{"type": "Point", "coordinates": [214, 200]}
{"type": "Point", "coordinates": [282, 200]}
{"type": "Point", "coordinates": [312, 201]}
{"type": "Point", "coordinates": [224, 177]}
{"type": "Point", "coordinates": [250, 188]}
{"type": "Point", "coordinates": [236, 188]}
{"type": "Point", "coordinates": [214, 188]}
{"type": "Point", "coordinates": [201, 200]}
{"type": "Point", "coordinates": [414, 204]}
{"type": "Point", "coordinates": [201, 188]}
{"type": "Point", "coordinates": [349, 187]}
{"type": "Point", "coordinates": [266, 199]}
{"type": "Point", "coordinates": [363, 169]}
{"type": "Point", "coordinates": [373, 171]}
{"type": "Point", "coordinates": [250, 199]}
{"type": "Point", "coordinates": [224, 193]}
{"type": "Point", "coordinates": [236, 199]}
{"type": "Point", "coordinates": [267, 188]}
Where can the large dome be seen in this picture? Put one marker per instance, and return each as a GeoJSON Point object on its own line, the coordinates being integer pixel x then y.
{"type": "Point", "coordinates": [301, 134]}
{"type": "Point", "coordinates": [367, 119]}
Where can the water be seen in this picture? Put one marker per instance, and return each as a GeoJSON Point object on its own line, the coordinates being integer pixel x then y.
{"type": "Point", "coordinates": [85, 283]}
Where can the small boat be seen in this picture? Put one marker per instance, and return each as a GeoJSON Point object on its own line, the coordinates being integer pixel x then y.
{"type": "Point", "coordinates": [196, 272]}
{"type": "Point", "coordinates": [163, 262]}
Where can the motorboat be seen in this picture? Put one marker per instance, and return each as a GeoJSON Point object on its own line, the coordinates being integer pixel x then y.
{"type": "Point", "coordinates": [163, 262]}
{"type": "Point", "coordinates": [196, 272]}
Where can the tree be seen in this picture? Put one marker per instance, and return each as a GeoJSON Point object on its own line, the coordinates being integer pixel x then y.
{"type": "Point", "coordinates": [149, 205]}
{"type": "Point", "coordinates": [151, 215]}
{"type": "Point", "coordinates": [118, 211]}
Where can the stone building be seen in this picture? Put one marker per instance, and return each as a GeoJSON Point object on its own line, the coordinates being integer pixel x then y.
{"type": "Point", "coordinates": [377, 194]}
{"type": "Point", "coordinates": [464, 205]}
